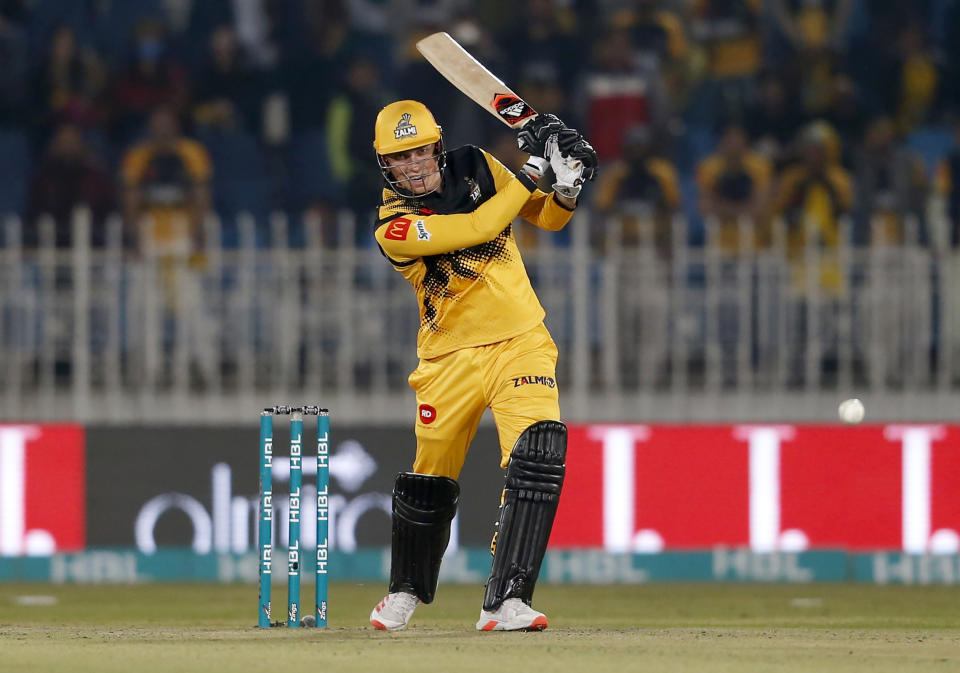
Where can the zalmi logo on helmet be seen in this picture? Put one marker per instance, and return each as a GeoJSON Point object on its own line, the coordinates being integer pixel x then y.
{"type": "Point", "coordinates": [404, 127]}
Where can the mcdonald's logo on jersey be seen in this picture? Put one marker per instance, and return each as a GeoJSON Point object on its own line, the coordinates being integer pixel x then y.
{"type": "Point", "coordinates": [397, 229]}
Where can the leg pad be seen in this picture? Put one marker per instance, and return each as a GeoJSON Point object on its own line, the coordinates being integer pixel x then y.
{"type": "Point", "coordinates": [532, 492]}
{"type": "Point", "coordinates": [423, 507]}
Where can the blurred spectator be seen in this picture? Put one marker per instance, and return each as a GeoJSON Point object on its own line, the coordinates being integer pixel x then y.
{"type": "Point", "coordinates": [847, 113]}
{"type": "Point", "coordinates": [811, 195]}
{"type": "Point", "coordinates": [658, 34]}
{"type": "Point", "coordinates": [227, 96]}
{"type": "Point", "coordinates": [69, 83]}
{"type": "Point", "coordinates": [166, 177]}
{"type": "Point", "coordinates": [734, 183]}
{"type": "Point", "coordinates": [543, 89]}
{"type": "Point", "coordinates": [350, 118]}
{"type": "Point", "coordinates": [69, 176]}
{"type": "Point", "coordinates": [619, 93]}
{"type": "Point", "coordinates": [891, 183]}
{"type": "Point", "coordinates": [542, 37]}
{"type": "Point", "coordinates": [204, 19]}
{"type": "Point", "coordinates": [773, 120]}
{"type": "Point", "coordinates": [948, 186]}
{"type": "Point", "coordinates": [151, 79]}
{"type": "Point", "coordinates": [918, 78]}
{"type": "Point", "coordinates": [314, 71]}
{"type": "Point", "coordinates": [13, 75]}
{"type": "Point", "coordinates": [257, 25]}
{"type": "Point", "coordinates": [166, 199]}
{"type": "Point", "coordinates": [642, 188]}
{"type": "Point", "coordinates": [728, 38]}
{"type": "Point", "coordinates": [806, 27]}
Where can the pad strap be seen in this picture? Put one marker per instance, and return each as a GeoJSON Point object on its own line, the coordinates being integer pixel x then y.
{"type": "Point", "coordinates": [423, 507]}
{"type": "Point", "coordinates": [533, 484]}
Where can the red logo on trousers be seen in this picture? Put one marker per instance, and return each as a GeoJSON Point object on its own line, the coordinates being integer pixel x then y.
{"type": "Point", "coordinates": [427, 414]}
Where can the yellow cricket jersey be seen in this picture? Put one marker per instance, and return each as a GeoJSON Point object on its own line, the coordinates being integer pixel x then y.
{"type": "Point", "coordinates": [166, 178]}
{"type": "Point", "coordinates": [456, 248]}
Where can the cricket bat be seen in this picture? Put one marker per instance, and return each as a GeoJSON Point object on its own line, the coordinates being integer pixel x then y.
{"type": "Point", "coordinates": [470, 76]}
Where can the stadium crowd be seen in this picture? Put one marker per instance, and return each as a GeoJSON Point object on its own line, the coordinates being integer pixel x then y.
{"type": "Point", "coordinates": [716, 109]}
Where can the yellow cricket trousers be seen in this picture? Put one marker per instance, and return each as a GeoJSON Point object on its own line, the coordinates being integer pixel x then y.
{"type": "Point", "coordinates": [515, 378]}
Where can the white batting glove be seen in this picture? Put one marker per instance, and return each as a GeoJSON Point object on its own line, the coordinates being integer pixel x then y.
{"type": "Point", "coordinates": [569, 172]}
{"type": "Point", "coordinates": [535, 167]}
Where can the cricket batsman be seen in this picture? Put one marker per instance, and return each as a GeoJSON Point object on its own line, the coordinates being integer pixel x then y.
{"type": "Point", "coordinates": [445, 224]}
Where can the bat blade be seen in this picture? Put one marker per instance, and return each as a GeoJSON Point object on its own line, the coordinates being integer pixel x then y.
{"type": "Point", "coordinates": [470, 76]}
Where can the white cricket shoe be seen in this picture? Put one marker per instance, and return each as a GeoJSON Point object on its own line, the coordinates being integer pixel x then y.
{"type": "Point", "coordinates": [513, 615]}
{"type": "Point", "coordinates": [394, 611]}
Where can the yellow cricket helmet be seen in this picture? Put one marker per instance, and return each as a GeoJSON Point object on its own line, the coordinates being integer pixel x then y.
{"type": "Point", "coordinates": [404, 125]}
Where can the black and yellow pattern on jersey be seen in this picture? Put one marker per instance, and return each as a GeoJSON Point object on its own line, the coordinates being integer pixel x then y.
{"type": "Point", "coordinates": [456, 248]}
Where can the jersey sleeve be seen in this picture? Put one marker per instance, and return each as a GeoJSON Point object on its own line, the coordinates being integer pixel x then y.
{"type": "Point", "coordinates": [541, 209]}
{"type": "Point", "coordinates": [411, 236]}
{"type": "Point", "coordinates": [133, 166]}
{"type": "Point", "coordinates": [197, 160]}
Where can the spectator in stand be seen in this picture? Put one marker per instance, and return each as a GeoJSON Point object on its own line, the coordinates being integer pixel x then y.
{"type": "Point", "coordinates": [773, 120]}
{"type": "Point", "coordinates": [541, 86]}
{"type": "Point", "coordinates": [638, 196]}
{"type": "Point", "coordinates": [892, 185]}
{"type": "Point", "coordinates": [658, 35]}
{"type": "Point", "coordinates": [734, 187]}
{"type": "Point", "coordinates": [811, 196]}
{"type": "Point", "coordinates": [810, 27]}
{"type": "Point", "coordinates": [847, 113]}
{"type": "Point", "coordinates": [734, 184]}
{"type": "Point", "coordinates": [948, 186]}
{"type": "Point", "coordinates": [643, 189]}
{"type": "Point", "coordinates": [351, 115]}
{"type": "Point", "coordinates": [316, 63]}
{"type": "Point", "coordinates": [545, 37]}
{"type": "Point", "coordinates": [153, 78]}
{"type": "Point", "coordinates": [227, 95]}
{"type": "Point", "coordinates": [728, 37]}
{"type": "Point", "coordinates": [69, 84]}
{"type": "Point", "coordinates": [918, 78]}
{"type": "Point", "coordinates": [166, 177]}
{"type": "Point", "coordinates": [805, 39]}
{"type": "Point", "coordinates": [166, 199]}
{"type": "Point", "coordinates": [69, 176]}
{"type": "Point", "coordinates": [619, 93]}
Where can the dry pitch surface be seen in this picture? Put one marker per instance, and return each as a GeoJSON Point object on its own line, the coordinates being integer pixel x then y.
{"type": "Point", "coordinates": [662, 628]}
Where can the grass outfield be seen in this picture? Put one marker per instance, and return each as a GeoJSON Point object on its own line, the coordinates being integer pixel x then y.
{"type": "Point", "coordinates": [656, 628]}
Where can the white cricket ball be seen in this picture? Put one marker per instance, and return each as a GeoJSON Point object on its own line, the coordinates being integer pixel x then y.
{"type": "Point", "coordinates": [851, 411]}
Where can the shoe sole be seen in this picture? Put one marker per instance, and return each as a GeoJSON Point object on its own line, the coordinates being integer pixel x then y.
{"type": "Point", "coordinates": [380, 626]}
{"type": "Point", "coordinates": [538, 624]}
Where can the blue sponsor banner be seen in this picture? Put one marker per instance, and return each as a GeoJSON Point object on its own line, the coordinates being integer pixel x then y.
{"type": "Point", "coordinates": [471, 565]}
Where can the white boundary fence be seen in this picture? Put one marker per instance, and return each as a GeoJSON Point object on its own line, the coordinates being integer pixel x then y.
{"type": "Point", "coordinates": [647, 331]}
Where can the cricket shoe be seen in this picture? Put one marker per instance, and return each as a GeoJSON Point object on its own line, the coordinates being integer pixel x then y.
{"type": "Point", "coordinates": [394, 611]}
{"type": "Point", "coordinates": [512, 615]}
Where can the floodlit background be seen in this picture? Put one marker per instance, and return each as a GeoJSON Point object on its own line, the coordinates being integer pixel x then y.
{"type": "Point", "coordinates": [187, 195]}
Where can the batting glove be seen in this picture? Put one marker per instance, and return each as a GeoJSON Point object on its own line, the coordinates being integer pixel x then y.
{"type": "Point", "coordinates": [533, 136]}
{"type": "Point", "coordinates": [568, 171]}
{"type": "Point", "coordinates": [573, 145]}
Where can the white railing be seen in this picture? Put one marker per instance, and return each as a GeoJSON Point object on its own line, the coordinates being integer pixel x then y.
{"type": "Point", "coordinates": [649, 328]}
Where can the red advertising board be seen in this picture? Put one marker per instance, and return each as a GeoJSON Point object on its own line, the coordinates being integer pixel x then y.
{"type": "Point", "coordinates": [647, 488]}
{"type": "Point", "coordinates": [42, 489]}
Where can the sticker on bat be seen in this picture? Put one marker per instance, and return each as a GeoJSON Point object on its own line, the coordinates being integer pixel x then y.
{"type": "Point", "coordinates": [511, 108]}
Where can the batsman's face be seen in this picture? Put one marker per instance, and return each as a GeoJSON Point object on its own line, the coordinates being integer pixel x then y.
{"type": "Point", "coordinates": [417, 170]}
